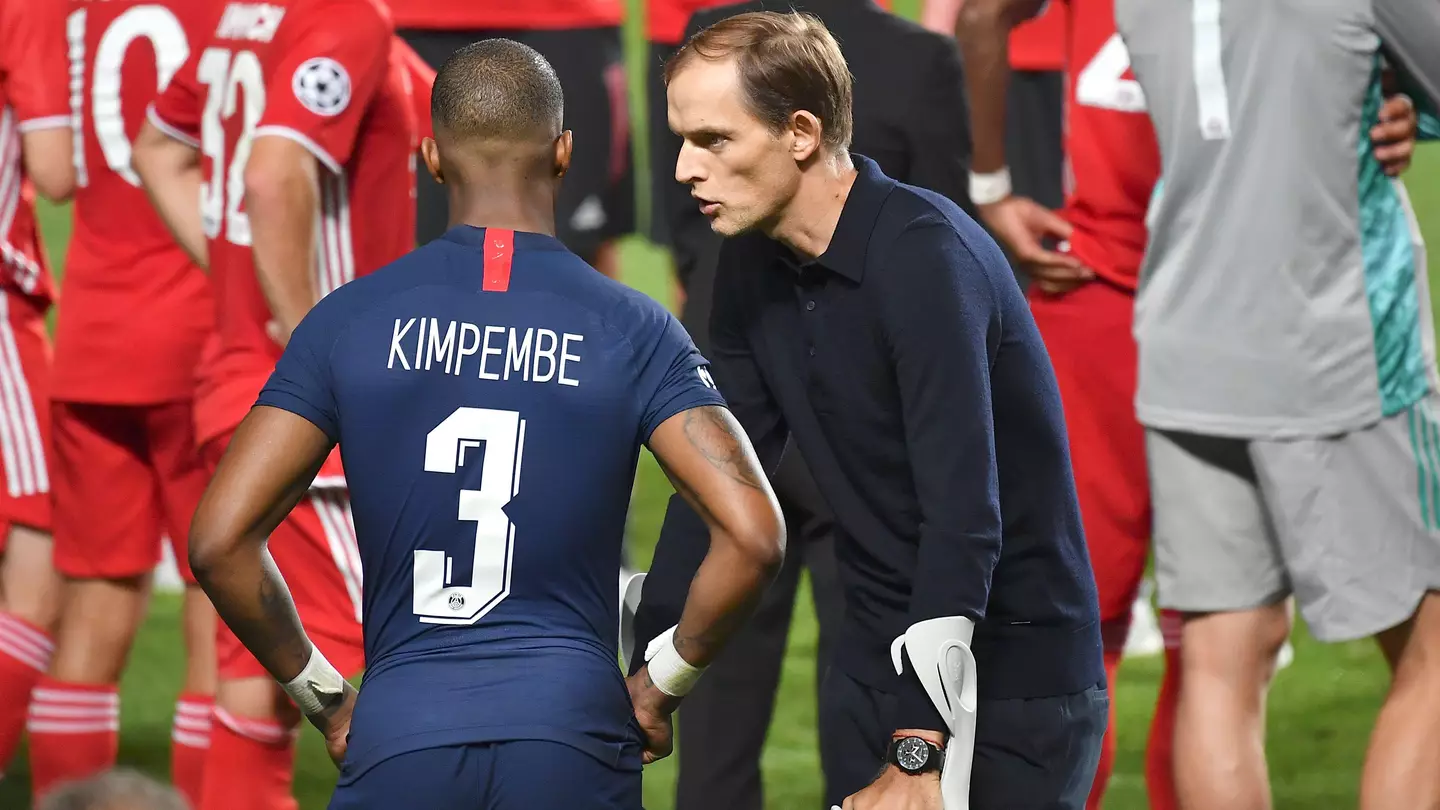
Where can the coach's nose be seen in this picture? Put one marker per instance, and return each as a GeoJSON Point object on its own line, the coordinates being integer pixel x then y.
{"type": "Point", "coordinates": [688, 166]}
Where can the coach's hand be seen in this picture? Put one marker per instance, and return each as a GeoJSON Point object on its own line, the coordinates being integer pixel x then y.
{"type": "Point", "coordinates": [335, 725]}
{"type": "Point", "coordinates": [1021, 224]}
{"type": "Point", "coordinates": [897, 790]}
{"type": "Point", "coordinates": [652, 711]}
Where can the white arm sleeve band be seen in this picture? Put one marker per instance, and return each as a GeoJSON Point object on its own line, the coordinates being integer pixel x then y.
{"type": "Point", "coordinates": [671, 674]}
{"type": "Point", "coordinates": [316, 684]}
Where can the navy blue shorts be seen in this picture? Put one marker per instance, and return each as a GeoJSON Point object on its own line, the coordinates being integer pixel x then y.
{"type": "Point", "coordinates": [515, 775]}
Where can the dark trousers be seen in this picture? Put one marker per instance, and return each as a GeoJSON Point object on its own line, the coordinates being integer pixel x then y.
{"type": "Point", "coordinates": [722, 724]}
{"type": "Point", "coordinates": [1034, 754]}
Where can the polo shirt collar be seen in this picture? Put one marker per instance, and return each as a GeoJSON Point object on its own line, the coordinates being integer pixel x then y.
{"type": "Point", "coordinates": [846, 253]}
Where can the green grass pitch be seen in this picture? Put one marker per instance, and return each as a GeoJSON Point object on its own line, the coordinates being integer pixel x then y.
{"type": "Point", "coordinates": [1320, 708]}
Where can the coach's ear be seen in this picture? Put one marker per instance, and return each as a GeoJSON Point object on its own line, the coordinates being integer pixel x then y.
{"type": "Point", "coordinates": [431, 154]}
{"type": "Point", "coordinates": [564, 145]}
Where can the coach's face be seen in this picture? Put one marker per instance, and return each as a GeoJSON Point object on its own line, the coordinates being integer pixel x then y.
{"type": "Point", "coordinates": [740, 171]}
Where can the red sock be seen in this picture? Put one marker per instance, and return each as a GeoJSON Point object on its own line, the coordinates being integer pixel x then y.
{"type": "Point", "coordinates": [74, 732]}
{"type": "Point", "coordinates": [24, 656]}
{"type": "Point", "coordinates": [1160, 752]}
{"type": "Point", "coordinates": [190, 744]}
{"type": "Point", "coordinates": [251, 765]}
{"type": "Point", "coordinates": [1107, 744]}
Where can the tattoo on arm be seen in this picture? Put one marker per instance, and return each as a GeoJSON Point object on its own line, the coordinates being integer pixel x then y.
{"type": "Point", "coordinates": [720, 441]}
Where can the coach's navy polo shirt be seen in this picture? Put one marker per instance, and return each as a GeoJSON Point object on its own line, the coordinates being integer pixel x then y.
{"type": "Point", "coordinates": [906, 365]}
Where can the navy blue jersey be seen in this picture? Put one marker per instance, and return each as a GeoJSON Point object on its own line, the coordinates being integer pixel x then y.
{"type": "Point", "coordinates": [490, 393]}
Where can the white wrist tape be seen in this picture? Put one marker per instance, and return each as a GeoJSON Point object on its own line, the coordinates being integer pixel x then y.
{"type": "Point", "coordinates": [316, 684]}
{"type": "Point", "coordinates": [991, 187]}
{"type": "Point", "coordinates": [671, 674]}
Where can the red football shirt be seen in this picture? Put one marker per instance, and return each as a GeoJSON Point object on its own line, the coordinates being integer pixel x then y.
{"type": "Point", "coordinates": [34, 95]}
{"type": "Point", "coordinates": [492, 15]}
{"type": "Point", "coordinates": [136, 310]}
{"type": "Point", "coordinates": [324, 74]}
{"type": "Point", "coordinates": [1039, 44]}
{"type": "Point", "coordinates": [1112, 158]}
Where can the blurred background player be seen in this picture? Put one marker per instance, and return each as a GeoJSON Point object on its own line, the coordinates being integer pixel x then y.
{"type": "Point", "coordinates": [1083, 302]}
{"type": "Point", "coordinates": [514, 649]}
{"type": "Point", "coordinates": [898, 68]}
{"type": "Point", "coordinates": [301, 122]}
{"type": "Point", "coordinates": [1034, 101]}
{"type": "Point", "coordinates": [35, 147]}
{"type": "Point", "coordinates": [581, 39]}
{"type": "Point", "coordinates": [1287, 373]}
{"type": "Point", "coordinates": [127, 471]}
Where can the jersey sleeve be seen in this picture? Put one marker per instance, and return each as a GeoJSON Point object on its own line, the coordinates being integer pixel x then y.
{"type": "Point", "coordinates": [176, 111]}
{"type": "Point", "coordinates": [327, 74]}
{"type": "Point", "coordinates": [675, 378]}
{"type": "Point", "coordinates": [35, 65]}
{"type": "Point", "coordinates": [301, 382]}
{"type": "Point", "coordinates": [1409, 31]}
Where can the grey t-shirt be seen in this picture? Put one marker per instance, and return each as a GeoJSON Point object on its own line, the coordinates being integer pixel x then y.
{"type": "Point", "coordinates": [1283, 292]}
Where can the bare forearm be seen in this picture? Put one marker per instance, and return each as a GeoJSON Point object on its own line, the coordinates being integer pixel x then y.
{"type": "Point", "coordinates": [747, 538]}
{"type": "Point", "coordinates": [282, 231]}
{"type": "Point", "coordinates": [252, 599]}
{"type": "Point", "coordinates": [170, 173]}
{"type": "Point", "coordinates": [983, 31]}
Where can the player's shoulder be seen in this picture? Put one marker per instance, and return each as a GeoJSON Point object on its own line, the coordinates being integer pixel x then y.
{"type": "Point", "coordinates": [637, 319]}
{"type": "Point", "coordinates": [338, 18]}
{"type": "Point", "coordinates": [921, 222]}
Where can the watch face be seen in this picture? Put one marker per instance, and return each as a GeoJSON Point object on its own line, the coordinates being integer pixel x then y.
{"type": "Point", "coordinates": [912, 753]}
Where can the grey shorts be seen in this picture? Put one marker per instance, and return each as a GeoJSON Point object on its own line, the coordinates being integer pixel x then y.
{"type": "Point", "coordinates": [1349, 524]}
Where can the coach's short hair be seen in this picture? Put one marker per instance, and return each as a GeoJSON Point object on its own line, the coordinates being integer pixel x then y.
{"type": "Point", "coordinates": [116, 789]}
{"type": "Point", "coordinates": [787, 62]}
{"type": "Point", "coordinates": [497, 89]}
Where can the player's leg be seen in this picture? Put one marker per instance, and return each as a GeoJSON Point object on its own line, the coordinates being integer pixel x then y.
{"type": "Point", "coordinates": [1160, 747]}
{"type": "Point", "coordinates": [1087, 333]}
{"type": "Point", "coordinates": [31, 586]}
{"type": "Point", "coordinates": [854, 724]}
{"type": "Point", "coordinates": [181, 476]}
{"type": "Point", "coordinates": [528, 774]}
{"type": "Point", "coordinates": [1358, 519]}
{"type": "Point", "coordinates": [1217, 560]}
{"type": "Point", "coordinates": [107, 543]}
{"type": "Point", "coordinates": [456, 777]}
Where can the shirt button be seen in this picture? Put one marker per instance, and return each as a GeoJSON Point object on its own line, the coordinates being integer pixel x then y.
{"type": "Point", "coordinates": [809, 305]}
{"type": "Point", "coordinates": [812, 351]}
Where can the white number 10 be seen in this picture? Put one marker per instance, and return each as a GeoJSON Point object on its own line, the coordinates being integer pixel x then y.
{"type": "Point", "coordinates": [437, 600]}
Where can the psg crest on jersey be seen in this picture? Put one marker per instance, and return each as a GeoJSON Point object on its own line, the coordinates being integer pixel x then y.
{"type": "Point", "coordinates": [322, 85]}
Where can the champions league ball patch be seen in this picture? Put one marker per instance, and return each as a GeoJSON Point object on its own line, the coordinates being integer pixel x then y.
{"type": "Point", "coordinates": [322, 85]}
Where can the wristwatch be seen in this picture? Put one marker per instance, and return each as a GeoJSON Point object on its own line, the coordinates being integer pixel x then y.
{"type": "Point", "coordinates": [915, 755]}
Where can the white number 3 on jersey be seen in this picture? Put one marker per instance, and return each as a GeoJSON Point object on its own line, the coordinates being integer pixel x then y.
{"type": "Point", "coordinates": [448, 447]}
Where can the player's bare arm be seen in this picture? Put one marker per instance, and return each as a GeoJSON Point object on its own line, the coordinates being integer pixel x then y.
{"type": "Point", "coordinates": [709, 459]}
{"type": "Point", "coordinates": [282, 197]}
{"type": "Point", "coordinates": [48, 161]}
{"type": "Point", "coordinates": [266, 470]}
{"type": "Point", "coordinates": [983, 31]}
{"type": "Point", "coordinates": [169, 169]}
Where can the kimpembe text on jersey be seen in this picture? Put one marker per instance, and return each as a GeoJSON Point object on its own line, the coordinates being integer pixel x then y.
{"type": "Point", "coordinates": [488, 352]}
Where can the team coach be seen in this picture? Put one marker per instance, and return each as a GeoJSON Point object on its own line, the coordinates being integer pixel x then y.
{"type": "Point", "coordinates": [882, 328]}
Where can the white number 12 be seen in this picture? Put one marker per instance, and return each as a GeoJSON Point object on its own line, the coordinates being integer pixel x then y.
{"type": "Point", "coordinates": [437, 600]}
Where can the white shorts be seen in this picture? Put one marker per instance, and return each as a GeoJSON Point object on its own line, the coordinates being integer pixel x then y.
{"type": "Point", "coordinates": [1349, 524]}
